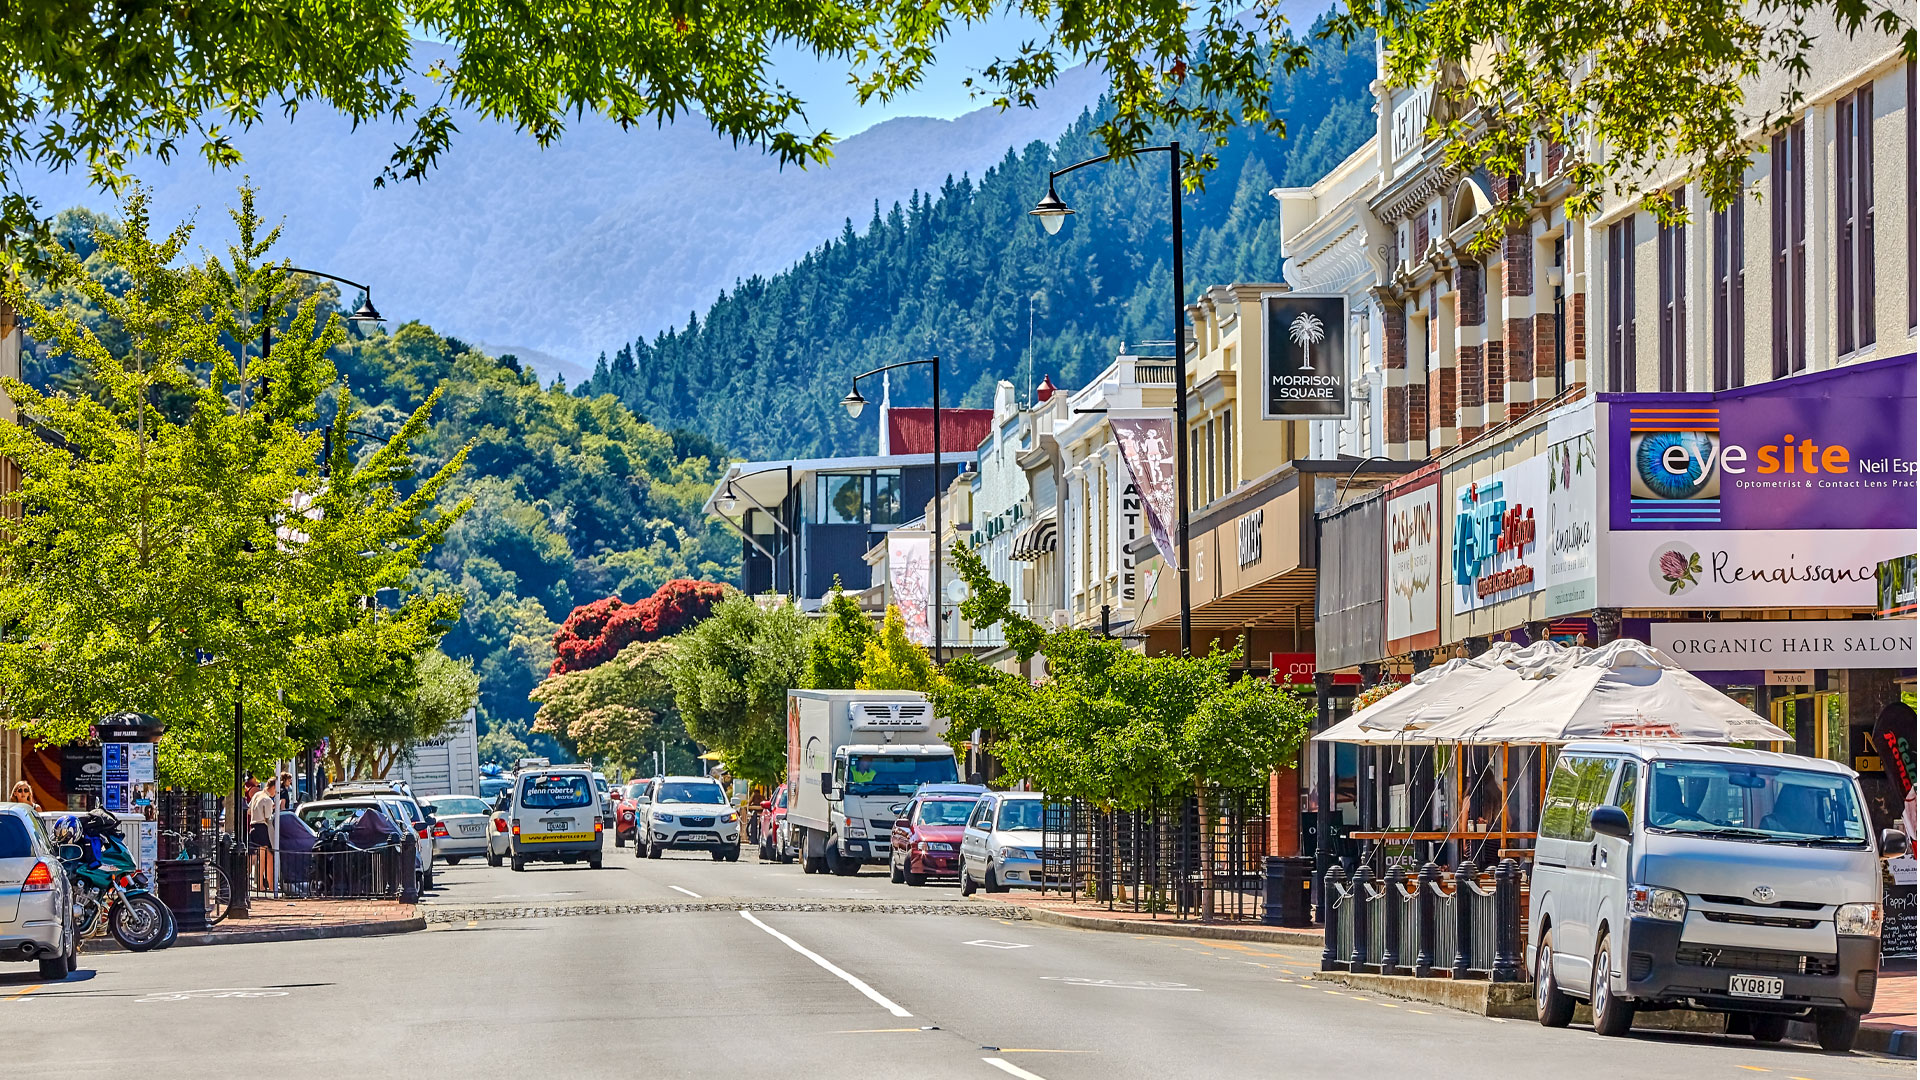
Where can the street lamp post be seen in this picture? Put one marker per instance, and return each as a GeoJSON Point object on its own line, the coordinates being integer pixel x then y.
{"type": "Point", "coordinates": [239, 871]}
{"type": "Point", "coordinates": [854, 403]}
{"type": "Point", "coordinates": [1053, 212]}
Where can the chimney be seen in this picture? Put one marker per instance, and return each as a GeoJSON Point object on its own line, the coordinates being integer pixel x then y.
{"type": "Point", "coordinates": [1044, 392]}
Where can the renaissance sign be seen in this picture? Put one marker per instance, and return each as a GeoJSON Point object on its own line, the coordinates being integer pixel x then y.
{"type": "Point", "coordinates": [1756, 646]}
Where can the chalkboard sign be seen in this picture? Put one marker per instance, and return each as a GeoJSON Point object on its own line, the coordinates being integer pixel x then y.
{"type": "Point", "coordinates": [1897, 933]}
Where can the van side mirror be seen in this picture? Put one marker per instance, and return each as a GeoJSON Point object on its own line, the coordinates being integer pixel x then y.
{"type": "Point", "coordinates": [1893, 842]}
{"type": "Point", "coordinates": [1610, 821]}
{"type": "Point", "coordinates": [826, 784]}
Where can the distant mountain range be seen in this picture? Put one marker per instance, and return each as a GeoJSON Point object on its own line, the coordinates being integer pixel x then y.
{"type": "Point", "coordinates": [553, 254]}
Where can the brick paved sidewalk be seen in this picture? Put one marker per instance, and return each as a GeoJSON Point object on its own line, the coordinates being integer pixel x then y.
{"type": "Point", "coordinates": [297, 920]}
{"type": "Point", "coordinates": [1066, 911]}
{"type": "Point", "coordinates": [1893, 1001]}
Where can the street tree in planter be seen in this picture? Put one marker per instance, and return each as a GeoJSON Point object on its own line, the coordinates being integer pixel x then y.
{"type": "Point", "coordinates": [1117, 728]}
{"type": "Point", "coordinates": [612, 712]}
{"type": "Point", "coordinates": [730, 676]}
{"type": "Point", "coordinates": [838, 643]}
{"type": "Point", "coordinates": [181, 549]}
{"type": "Point", "coordinates": [372, 735]}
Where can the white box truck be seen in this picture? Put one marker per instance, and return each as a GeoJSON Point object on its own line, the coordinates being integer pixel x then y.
{"type": "Point", "coordinates": [854, 758]}
{"type": "Point", "coordinates": [449, 765]}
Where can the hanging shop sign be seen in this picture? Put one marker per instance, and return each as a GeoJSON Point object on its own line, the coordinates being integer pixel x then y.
{"type": "Point", "coordinates": [1827, 451]}
{"type": "Point", "coordinates": [1747, 569]}
{"type": "Point", "coordinates": [1893, 588]}
{"type": "Point", "coordinates": [1573, 470]}
{"type": "Point", "coordinates": [1786, 645]}
{"type": "Point", "coordinates": [1497, 524]}
{"type": "Point", "coordinates": [1413, 563]}
{"type": "Point", "coordinates": [1305, 373]}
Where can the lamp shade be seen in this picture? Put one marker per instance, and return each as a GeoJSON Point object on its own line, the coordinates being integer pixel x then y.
{"type": "Point", "coordinates": [1051, 211]}
{"type": "Point", "coordinates": [366, 313]}
{"type": "Point", "coordinates": [854, 403]}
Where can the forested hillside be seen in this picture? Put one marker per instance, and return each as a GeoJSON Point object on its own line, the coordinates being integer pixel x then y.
{"type": "Point", "coordinates": [954, 273]}
{"type": "Point", "coordinates": [574, 499]}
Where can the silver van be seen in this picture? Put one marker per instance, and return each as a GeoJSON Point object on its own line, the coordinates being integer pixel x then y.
{"type": "Point", "coordinates": [1687, 876]}
{"type": "Point", "coordinates": [555, 816]}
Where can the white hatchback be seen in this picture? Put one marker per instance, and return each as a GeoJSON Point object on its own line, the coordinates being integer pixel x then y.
{"type": "Point", "coordinates": [1001, 846]}
{"type": "Point", "coordinates": [460, 824]}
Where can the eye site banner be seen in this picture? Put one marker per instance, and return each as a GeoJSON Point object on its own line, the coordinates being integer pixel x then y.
{"type": "Point", "coordinates": [1827, 450]}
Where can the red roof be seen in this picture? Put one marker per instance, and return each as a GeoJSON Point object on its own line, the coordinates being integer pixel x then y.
{"type": "Point", "coordinates": [910, 431]}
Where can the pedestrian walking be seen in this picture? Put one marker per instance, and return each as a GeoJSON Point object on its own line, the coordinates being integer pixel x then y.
{"type": "Point", "coordinates": [261, 812]}
{"type": "Point", "coordinates": [23, 793]}
{"type": "Point", "coordinates": [286, 791]}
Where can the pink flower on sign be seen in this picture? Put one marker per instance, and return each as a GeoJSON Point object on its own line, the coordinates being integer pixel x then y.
{"type": "Point", "coordinates": [1678, 570]}
{"type": "Point", "coordinates": [1672, 564]}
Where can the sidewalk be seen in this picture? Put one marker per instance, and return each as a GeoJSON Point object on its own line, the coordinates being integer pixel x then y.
{"type": "Point", "coordinates": [296, 920]}
{"type": "Point", "coordinates": [1891, 1021]}
{"type": "Point", "coordinates": [1064, 911]}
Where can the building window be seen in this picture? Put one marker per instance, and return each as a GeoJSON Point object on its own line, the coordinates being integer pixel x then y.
{"type": "Point", "coordinates": [1560, 317]}
{"type": "Point", "coordinates": [1226, 451]}
{"type": "Point", "coordinates": [1673, 301]}
{"type": "Point", "coordinates": [1620, 305]}
{"type": "Point", "coordinates": [1853, 218]}
{"type": "Point", "coordinates": [1213, 465]}
{"type": "Point", "coordinates": [1730, 295]}
{"type": "Point", "coordinates": [1788, 194]}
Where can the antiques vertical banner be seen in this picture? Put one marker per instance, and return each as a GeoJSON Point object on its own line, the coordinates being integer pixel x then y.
{"type": "Point", "coordinates": [1146, 445]}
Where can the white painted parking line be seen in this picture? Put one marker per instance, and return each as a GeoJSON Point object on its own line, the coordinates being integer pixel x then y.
{"type": "Point", "coordinates": [1011, 1069]}
{"type": "Point", "coordinates": [1074, 980]}
{"type": "Point", "coordinates": [989, 943]}
{"type": "Point", "coordinates": [851, 980]}
{"type": "Point", "coordinates": [689, 892]}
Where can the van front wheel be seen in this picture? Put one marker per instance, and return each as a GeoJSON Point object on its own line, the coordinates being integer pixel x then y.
{"type": "Point", "coordinates": [1612, 1017]}
{"type": "Point", "coordinates": [1552, 1006]}
{"type": "Point", "coordinates": [1835, 1029]}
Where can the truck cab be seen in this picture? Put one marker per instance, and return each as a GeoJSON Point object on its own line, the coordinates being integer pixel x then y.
{"type": "Point", "coordinates": [854, 759]}
{"type": "Point", "coordinates": [871, 785]}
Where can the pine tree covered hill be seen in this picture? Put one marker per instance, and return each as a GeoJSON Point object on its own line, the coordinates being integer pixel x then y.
{"type": "Point", "coordinates": [952, 273]}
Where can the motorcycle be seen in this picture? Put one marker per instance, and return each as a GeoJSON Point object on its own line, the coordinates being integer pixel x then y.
{"type": "Point", "coordinates": [110, 889]}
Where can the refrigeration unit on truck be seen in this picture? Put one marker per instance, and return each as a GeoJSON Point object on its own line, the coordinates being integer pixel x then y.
{"type": "Point", "coordinates": [854, 759]}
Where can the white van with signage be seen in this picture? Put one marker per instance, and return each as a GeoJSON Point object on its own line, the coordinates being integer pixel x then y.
{"type": "Point", "coordinates": [1688, 876]}
{"type": "Point", "coordinates": [555, 817]}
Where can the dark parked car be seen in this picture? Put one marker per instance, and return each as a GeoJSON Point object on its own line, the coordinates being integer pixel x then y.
{"type": "Point", "coordinates": [926, 838]}
{"type": "Point", "coordinates": [773, 826]}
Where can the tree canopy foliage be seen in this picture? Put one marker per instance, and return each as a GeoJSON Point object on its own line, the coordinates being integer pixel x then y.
{"type": "Point", "coordinates": [614, 712]}
{"type": "Point", "coordinates": [370, 735]}
{"type": "Point", "coordinates": [184, 539]}
{"type": "Point", "coordinates": [731, 674]}
{"type": "Point", "coordinates": [1109, 725]}
{"type": "Point", "coordinates": [596, 632]}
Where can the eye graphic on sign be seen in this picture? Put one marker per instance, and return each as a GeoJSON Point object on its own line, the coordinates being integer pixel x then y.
{"type": "Point", "coordinates": [1676, 465]}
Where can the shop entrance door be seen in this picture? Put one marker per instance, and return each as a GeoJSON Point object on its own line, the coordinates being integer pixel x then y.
{"type": "Point", "coordinates": [1818, 721]}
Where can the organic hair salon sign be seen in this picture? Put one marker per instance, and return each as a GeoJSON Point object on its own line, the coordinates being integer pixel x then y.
{"type": "Point", "coordinates": [1785, 494]}
{"type": "Point", "coordinates": [1756, 646]}
{"type": "Point", "coordinates": [1306, 357]}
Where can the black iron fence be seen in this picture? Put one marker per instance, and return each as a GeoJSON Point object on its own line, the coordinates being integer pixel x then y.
{"type": "Point", "coordinates": [377, 873]}
{"type": "Point", "coordinates": [1464, 923]}
{"type": "Point", "coordinates": [1165, 861]}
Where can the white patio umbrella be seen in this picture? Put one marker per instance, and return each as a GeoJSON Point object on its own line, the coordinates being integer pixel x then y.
{"type": "Point", "coordinates": [1438, 696]}
{"type": "Point", "coordinates": [1623, 690]}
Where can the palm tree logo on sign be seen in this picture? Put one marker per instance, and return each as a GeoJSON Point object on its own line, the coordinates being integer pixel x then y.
{"type": "Point", "coordinates": [1306, 332]}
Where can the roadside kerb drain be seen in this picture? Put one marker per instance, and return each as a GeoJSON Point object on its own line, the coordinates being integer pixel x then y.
{"type": "Point", "coordinates": [481, 912]}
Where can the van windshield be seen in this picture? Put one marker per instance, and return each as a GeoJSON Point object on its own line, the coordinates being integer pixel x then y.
{"type": "Point", "coordinates": [1759, 802]}
{"type": "Point", "coordinates": [887, 774]}
{"type": "Point", "coordinates": [555, 791]}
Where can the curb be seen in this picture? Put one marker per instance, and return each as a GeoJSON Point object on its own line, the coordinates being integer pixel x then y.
{"type": "Point", "coordinates": [1266, 934]}
{"type": "Point", "coordinates": [286, 933]}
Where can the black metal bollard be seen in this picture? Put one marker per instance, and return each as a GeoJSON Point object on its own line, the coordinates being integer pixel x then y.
{"type": "Point", "coordinates": [1427, 920]}
{"type": "Point", "coordinates": [409, 877]}
{"type": "Point", "coordinates": [1463, 876]}
{"type": "Point", "coordinates": [1362, 919]}
{"type": "Point", "coordinates": [1331, 913]}
{"type": "Point", "coordinates": [1506, 908]}
{"type": "Point", "coordinates": [1391, 899]}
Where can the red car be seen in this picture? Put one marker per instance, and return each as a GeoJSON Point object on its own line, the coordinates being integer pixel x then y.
{"type": "Point", "coordinates": [926, 838]}
{"type": "Point", "coordinates": [773, 825]}
{"type": "Point", "coordinates": [625, 801]}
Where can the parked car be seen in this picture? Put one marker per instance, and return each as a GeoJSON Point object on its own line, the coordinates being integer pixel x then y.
{"type": "Point", "coordinates": [460, 824]}
{"type": "Point", "coordinates": [492, 786]}
{"type": "Point", "coordinates": [688, 813]}
{"type": "Point", "coordinates": [926, 838]}
{"type": "Point", "coordinates": [36, 899]}
{"type": "Point", "coordinates": [1001, 845]}
{"type": "Point", "coordinates": [1688, 876]}
{"type": "Point", "coordinates": [774, 844]}
{"type": "Point", "coordinates": [396, 810]}
{"type": "Point", "coordinates": [499, 838]}
{"type": "Point", "coordinates": [625, 801]}
{"type": "Point", "coordinates": [556, 816]}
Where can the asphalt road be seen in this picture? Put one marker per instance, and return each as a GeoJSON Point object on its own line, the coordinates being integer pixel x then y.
{"type": "Point", "coordinates": [835, 993]}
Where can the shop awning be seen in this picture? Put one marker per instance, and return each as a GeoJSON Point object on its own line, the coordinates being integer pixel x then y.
{"type": "Point", "coordinates": [1041, 535]}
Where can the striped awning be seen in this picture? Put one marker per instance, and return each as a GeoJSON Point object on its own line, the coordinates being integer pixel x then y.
{"type": "Point", "coordinates": [1041, 535]}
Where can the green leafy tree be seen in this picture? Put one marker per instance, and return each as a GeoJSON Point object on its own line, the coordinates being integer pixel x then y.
{"type": "Point", "coordinates": [1114, 727]}
{"type": "Point", "coordinates": [1627, 88]}
{"type": "Point", "coordinates": [178, 560]}
{"type": "Point", "coordinates": [731, 674]}
{"type": "Point", "coordinates": [838, 643]}
{"type": "Point", "coordinates": [609, 712]}
{"type": "Point", "coordinates": [892, 662]}
{"type": "Point", "coordinates": [372, 735]}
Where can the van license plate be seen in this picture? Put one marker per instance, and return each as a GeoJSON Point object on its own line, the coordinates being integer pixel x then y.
{"type": "Point", "coordinates": [559, 826]}
{"type": "Point", "coordinates": [1756, 986]}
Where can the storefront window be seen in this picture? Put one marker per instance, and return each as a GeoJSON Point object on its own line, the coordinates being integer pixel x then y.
{"type": "Point", "coordinates": [887, 498]}
{"type": "Point", "coordinates": [843, 499]}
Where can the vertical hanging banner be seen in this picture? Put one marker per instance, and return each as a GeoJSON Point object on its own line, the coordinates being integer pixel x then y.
{"type": "Point", "coordinates": [1146, 445]}
{"type": "Point", "coordinates": [1305, 374]}
{"type": "Point", "coordinates": [910, 573]}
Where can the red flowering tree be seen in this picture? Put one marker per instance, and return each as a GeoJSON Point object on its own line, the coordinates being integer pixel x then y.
{"type": "Point", "coordinates": [596, 632]}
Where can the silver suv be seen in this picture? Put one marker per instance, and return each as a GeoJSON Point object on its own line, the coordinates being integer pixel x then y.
{"type": "Point", "coordinates": [36, 899]}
